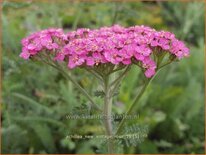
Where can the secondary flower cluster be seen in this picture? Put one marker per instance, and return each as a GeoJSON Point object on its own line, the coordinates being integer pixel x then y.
{"type": "Point", "coordinates": [114, 45]}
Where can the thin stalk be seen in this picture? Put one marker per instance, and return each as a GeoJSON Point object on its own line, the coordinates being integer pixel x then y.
{"type": "Point", "coordinates": [117, 69]}
{"type": "Point", "coordinates": [116, 82]}
{"type": "Point", "coordinates": [121, 76]}
{"type": "Point", "coordinates": [108, 114]}
{"type": "Point", "coordinates": [137, 98]}
{"type": "Point", "coordinates": [95, 74]}
{"type": "Point", "coordinates": [169, 62]}
{"type": "Point", "coordinates": [82, 90]}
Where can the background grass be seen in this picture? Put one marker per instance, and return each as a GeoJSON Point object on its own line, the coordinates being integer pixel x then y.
{"type": "Point", "coordinates": [36, 98]}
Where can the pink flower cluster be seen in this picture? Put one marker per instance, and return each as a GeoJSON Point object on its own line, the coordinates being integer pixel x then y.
{"type": "Point", "coordinates": [114, 45]}
{"type": "Point", "coordinates": [50, 39]}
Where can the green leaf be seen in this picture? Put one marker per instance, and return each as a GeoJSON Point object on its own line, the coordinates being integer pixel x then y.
{"type": "Point", "coordinates": [32, 103]}
{"type": "Point", "coordinates": [14, 139]}
{"type": "Point", "coordinates": [133, 134]}
{"type": "Point", "coordinates": [38, 119]}
{"type": "Point", "coordinates": [67, 93]}
{"type": "Point", "coordinates": [99, 93]}
{"type": "Point", "coordinates": [45, 135]}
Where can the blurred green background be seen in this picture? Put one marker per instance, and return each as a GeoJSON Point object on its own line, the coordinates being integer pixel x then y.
{"type": "Point", "coordinates": [36, 98]}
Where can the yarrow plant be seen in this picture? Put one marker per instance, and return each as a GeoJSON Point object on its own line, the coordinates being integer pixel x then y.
{"type": "Point", "coordinates": [103, 52]}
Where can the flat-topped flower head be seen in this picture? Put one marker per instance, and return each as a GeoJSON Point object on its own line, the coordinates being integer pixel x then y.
{"type": "Point", "coordinates": [50, 40]}
{"type": "Point", "coordinates": [114, 45]}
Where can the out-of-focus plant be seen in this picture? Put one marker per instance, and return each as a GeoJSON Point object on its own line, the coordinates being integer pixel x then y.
{"type": "Point", "coordinates": [189, 17]}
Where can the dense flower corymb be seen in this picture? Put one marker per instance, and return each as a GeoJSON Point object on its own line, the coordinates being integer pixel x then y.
{"type": "Point", "coordinates": [113, 45]}
{"type": "Point", "coordinates": [50, 39]}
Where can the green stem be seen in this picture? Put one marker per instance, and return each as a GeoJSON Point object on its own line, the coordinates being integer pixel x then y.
{"type": "Point", "coordinates": [121, 76]}
{"type": "Point", "coordinates": [169, 62]}
{"type": "Point", "coordinates": [116, 82]}
{"type": "Point", "coordinates": [95, 74]}
{"type": "Point", "coordinates": [117, 69]}
{"type": "Point", "coordinates": [82, 90]}
{"type": "Point", "coordinates": [137, 98]}
{"type": "Point", "coordinates": [108, 114]}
